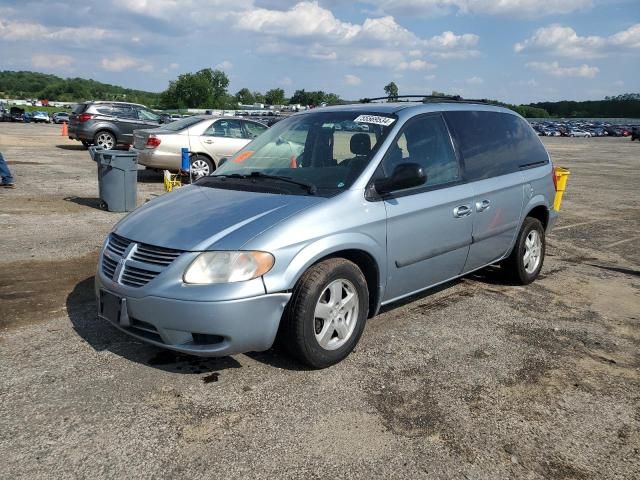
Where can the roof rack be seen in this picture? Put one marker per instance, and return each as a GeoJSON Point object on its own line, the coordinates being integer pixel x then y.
{"type": "Point", "coordinates": [428, 98]}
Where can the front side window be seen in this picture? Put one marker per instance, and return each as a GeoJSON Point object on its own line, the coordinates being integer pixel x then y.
{"type": "Point", "coordinates": [327, 150]}
{"type": "Point", "coordinates": [425, 141]}
{"type": "Point", "coordinates": [124, 111]}
{"type": "Point", "coordinates": [254, 129]}
{"type": "Point", "coordinates": [144, 114]}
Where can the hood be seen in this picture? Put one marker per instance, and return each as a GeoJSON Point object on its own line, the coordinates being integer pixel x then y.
{"type": "Point", "coordinates": [198, 218]}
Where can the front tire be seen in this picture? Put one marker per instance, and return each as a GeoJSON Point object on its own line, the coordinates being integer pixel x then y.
{"type": "Point", "coordinates": [326, 314]}
{"type": "Point", "coordinates": [525, 262]}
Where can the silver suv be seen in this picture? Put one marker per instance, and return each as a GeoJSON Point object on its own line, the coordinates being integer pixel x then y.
{"type": "Point", "coordinates": [309, 229]}
{"type": "Point", "coordinates": [108, 124]}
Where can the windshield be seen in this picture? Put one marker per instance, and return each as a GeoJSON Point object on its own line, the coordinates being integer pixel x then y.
{"type": "Point", "coordinates": [327, 150]}
{"type": "Point", "coordinates": [182, 124]}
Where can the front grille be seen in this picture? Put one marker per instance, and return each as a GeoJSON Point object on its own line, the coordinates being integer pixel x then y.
{"type": "Point", "coordinates": [141, 262]}
{"type": "Point", "coordinates": [155, 255]}
{"type": "Point", "coordinates": [117, 244]}
{"type": "Point", "coordinates": [136, 277]}
{"type": "Point", "coordinates": [109, 266]}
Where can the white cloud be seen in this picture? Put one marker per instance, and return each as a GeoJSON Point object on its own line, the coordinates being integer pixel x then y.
{"type": "Point", "coordinates": [416, 65]}
{"type": "Point", "coordinates": [429, 77]}
{"type": "Point", "coordinates": [474, 81]}
{"type": "Point", "coordinates": [378, 42]}
{"type": "Point", "coordinates": [51, 61]}
{"type": "Point", "coordinates": [516, 8]}
{"type": "Point", "coordinates": [555, 69]}
{"type": "Point", "coordinates": [119, 63]}
{"type": "Point", "coordinates": [20, 31]}
{"type": "Point", "coordinates": [224, 65]}
{"type": "Point", "coordinates": [302, 20]}
{"type": "Point", "coordinates": [352, 80]}
{"type": "Point", "coordinates": [565, 42]}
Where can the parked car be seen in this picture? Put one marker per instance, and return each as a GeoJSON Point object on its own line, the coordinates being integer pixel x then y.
{"type": "Point", "coordinates": [40, 117]}
{"type": "Point", "coordinates": [579, 133]}
{"type": "Point", "coordinates": [209, 139]}
{"type": "Point", "coordinates": [307, 247]}
{"type": "Point", "coordinates": [108, 124]}
{"type": "Point", "coordinates": [60, 117]}
{"type": "Point", "coordinates": [635, 133]}
{"type": "Point", "coordinates": [16, 114]}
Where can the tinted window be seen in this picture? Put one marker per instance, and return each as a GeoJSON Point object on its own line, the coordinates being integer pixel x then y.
{"type": "Point", "coordinates": [494, 143]}
{"type": "Point", "coordinates": [182, 123]}
{"type": "Point", "coordinates": [425, 141]}
{"type": "Point", "coordinates": [104, 109]}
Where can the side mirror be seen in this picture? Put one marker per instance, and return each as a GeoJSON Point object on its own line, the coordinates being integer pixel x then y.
{"type": "Point", "coordinates": [405, 175]}
{"type": "Point", "coordinates": [222, 161]}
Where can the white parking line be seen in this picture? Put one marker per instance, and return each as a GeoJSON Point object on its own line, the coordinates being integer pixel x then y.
{"type": "Point", "coordinates": [621, 241]}
{"type": "Point", "coordinates": [564, 227]}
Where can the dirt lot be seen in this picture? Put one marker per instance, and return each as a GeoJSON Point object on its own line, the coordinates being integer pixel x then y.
{"type": "Point", "coordinates": [476, 380]}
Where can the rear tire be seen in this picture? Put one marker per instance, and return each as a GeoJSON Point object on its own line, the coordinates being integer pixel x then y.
{"type": "Point", "coordinates": [326, 314]}
{"type": "Point", "coordinates": [525, 262]}
{"type": "Point", "coordinates": [105, 139]}
{"type": "Point", "coordinates": [201, 166]}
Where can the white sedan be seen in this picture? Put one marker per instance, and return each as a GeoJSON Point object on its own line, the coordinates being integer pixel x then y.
{"type": "Point", "coordinates": [208, 138]}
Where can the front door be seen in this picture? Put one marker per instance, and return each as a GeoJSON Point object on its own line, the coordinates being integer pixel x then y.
{"type": "Point", "coordinates": [223, 138]}
{"type": "Point", "coordinates": [428, 227]}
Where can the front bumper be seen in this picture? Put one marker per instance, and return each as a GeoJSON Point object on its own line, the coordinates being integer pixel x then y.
{"type": "Point", "coordinates": [208, 328]}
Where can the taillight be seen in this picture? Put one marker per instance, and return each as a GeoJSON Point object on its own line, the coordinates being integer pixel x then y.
{"type": "Point", "coordinates": [555, 179]}
{"type": "Point", "coordinates": [83, 117]}
{"type": "Point", "coordinates": [153, 141]}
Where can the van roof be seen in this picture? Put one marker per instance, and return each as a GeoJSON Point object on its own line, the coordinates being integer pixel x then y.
{"type": "Point", "coordinates": [431, 106]}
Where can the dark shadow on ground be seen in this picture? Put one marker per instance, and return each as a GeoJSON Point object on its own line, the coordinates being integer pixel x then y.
{"type": "Point", "coordinates": [81, 308]}
{"type": "Point", "coordinates": [492, 275]}
{"type": "Point", "coordinates": [626, 271]}
{"type": "Point", "coordinates": [85, 201]}
{"type": "Point", "coordinates": [150, 176]}
{"type": "Point", "coordinates": [76, 148]}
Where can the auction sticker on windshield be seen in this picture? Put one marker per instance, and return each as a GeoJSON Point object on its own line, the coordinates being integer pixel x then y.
{"type": "Point", "coordinates": [374, 119]}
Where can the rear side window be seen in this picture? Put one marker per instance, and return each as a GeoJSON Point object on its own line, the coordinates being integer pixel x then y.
{"type": "Point", "coordinates": [80, 107]}
{"type": "Point", "coordinates": [494, 143]}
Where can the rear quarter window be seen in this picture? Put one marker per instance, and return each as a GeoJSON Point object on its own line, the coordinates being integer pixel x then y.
{"type": "Point", "coordinates": [495, 143]}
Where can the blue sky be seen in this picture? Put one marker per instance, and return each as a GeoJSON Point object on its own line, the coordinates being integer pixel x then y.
{"type": "Point", "coordinates": [513, 50]}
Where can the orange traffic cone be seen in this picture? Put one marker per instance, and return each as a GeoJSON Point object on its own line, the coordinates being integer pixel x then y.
{"type": "Point", "coordinates": [65, 129]}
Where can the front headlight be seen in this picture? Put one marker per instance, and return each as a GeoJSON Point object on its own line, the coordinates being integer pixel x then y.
{"type": "Point", "coordinates": [227, 267]}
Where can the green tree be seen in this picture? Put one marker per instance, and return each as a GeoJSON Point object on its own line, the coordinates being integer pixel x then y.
{"type": "Point", "coordinates": [259, 97]}
{"type": "Point", "coordinates": [391, 89]}
{"type": "Point", "coordinates": [245, 97]}
{"type": "Point", "coordinates": [275, 96]}
{"type": "Point", "coordinates": [206, 88]}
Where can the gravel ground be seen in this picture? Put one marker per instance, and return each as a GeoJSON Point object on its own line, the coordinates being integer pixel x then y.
{"type": "Point", "coordinates": [478, 379]}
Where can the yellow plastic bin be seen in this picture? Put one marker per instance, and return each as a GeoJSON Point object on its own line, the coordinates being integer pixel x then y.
{"type": "Point", "coordinates": [562, 175]}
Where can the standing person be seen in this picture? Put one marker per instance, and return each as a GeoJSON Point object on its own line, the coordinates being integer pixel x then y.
{"type": "Point", "coordinates": [5, 173]}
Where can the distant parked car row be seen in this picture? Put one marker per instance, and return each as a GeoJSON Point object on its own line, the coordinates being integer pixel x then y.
{"type": "Point", "coordinates": [17, 114]}
{"type": "Point", "coordinates": [583, 129]}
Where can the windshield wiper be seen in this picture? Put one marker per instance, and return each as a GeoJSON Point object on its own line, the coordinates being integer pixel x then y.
{"type": "Point", "coordinates": [310, 187]}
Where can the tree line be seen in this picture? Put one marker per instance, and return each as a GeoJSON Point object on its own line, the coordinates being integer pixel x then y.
{"type": "Point", "coordinates": [209, 88]}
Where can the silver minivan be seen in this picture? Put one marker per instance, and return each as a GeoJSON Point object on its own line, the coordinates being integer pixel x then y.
{"type": "Point", "coordinates": [307, 231]}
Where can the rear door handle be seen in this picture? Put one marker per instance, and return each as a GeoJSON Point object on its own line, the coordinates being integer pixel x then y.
{"type": "Point", "coordinates": [483, 205]}
{"type": "Point", "coordinates": [462, 211]}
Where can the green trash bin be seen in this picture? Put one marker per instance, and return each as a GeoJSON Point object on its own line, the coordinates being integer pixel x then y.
{"type": "Point", "coordinates": [117, 179]}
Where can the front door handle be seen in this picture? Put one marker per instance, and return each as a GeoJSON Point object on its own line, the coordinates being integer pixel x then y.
{"type": "Point", "coordinates": [462, 211]}
{"type": "Point", "coordinates": [483, 205]}
{"type": "Point", "coordinates": [208, 141]}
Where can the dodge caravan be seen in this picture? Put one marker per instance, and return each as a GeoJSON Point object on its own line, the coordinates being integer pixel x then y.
{"type": "Point", "coordinates": [304, 233]}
